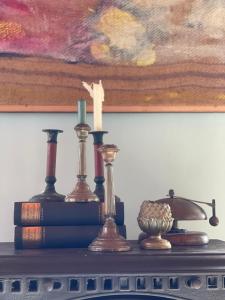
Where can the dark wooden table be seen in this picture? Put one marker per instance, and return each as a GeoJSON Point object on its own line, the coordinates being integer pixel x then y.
{"type": "Point", "coordinates": [181, 273]}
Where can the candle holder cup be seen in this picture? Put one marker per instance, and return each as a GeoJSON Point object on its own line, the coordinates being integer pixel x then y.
{"type": "Point", "coordinates": [82, 191]}
{"type": "Point", "coordinates": [109, 239]}
{"type": "Point", "coordinates": [50, 193]}
{"type": "Point", "coordinates": [155, 219]}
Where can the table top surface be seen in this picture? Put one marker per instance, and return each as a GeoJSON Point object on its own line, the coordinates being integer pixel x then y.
{"type": "Point", "coordinates": [214, 247]}
{"type": "Point", "coordinates": [64, 261]}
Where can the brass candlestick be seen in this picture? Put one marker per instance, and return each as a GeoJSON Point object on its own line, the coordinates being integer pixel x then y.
{"type": "Point", "coordinates": [50, 193]}
{"type": "Point", "coordinates": [109, 239]}
{"type": "Point", "coordinates": [82, 192]}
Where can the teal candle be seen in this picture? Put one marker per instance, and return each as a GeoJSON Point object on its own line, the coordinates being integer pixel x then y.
{"type": "Point", "coordinates": [81, 111]}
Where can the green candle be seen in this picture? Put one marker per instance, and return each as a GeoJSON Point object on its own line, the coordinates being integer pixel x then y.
{"type": "Point", "coordinates": [81, 111]}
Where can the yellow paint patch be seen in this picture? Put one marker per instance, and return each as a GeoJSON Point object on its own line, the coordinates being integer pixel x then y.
{"type": "Point", "coordinates": [149, 4]}
{"type": "Point", "coordinates": [221, 97]}
{"type": "Point", "coordinates": [11, 30]}
{"type": "Point", "coordinates": [148, 99]}
{"type": "Point", "coordinates": [100, 51]}
{"type": "Point", "coordinates": [173, 95]}
{"type": "Point", "coordinates": [146, 57]}
{"type": "Point", "coordinates": [122, 28]}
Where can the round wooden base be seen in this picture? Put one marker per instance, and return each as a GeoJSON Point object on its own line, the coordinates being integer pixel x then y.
{"type": "Point", "coordinates": [155, 243]}
{"type": "Point", "coordinates": [82, 192]}
{"type": "Point", "coordinates": [189, 238]}
{"type": "Point", "coordinates": [109, 240]}
{"type": "Point", "coordinates": [48, 197]}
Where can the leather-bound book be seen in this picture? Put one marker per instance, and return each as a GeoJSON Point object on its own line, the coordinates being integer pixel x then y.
{"type": "Point", "coordinates": [58, 236]}
{"type": "Point", "coordinates": [63, 213]}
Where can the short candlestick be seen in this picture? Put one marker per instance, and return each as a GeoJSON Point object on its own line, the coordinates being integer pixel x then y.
{"type": "Point", "coordinates": [109, 238]}
{"type": "Point", "coordinates": [82, 192]}
{"type": "Point", "coordinates": [50, 193]}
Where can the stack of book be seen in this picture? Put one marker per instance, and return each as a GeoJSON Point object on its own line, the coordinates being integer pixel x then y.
{"type": "Point", "coordinates": [60, 224]}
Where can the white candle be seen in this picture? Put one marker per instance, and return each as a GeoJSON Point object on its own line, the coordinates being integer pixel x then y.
{"type": "Point", "coordinates": [96, 91]}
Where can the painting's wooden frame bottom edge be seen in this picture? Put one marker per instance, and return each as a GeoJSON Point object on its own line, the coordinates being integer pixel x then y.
{"type": "Point", "coordinates": [111, 109]}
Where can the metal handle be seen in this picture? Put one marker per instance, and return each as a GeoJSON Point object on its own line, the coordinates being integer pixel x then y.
{"type": "Point", "coordinates": [214, 220]}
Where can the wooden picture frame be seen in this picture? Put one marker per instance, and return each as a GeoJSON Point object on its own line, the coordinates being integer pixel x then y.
{"type": "Point", "coordinates": [168, 80]}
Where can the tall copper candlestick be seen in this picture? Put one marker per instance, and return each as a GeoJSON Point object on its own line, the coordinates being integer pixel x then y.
{"type": "Point", "coordinates": [99, 166]}
{"type": "Point", "coordinates": [109, 239]}
{"type": "Point", "coordinates": [50, 193]}
{"type": "Point", "coordinates": [82, 192]}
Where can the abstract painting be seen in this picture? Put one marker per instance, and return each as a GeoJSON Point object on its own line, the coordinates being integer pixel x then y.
{"type": "Point", "coordinates": [164, 55]}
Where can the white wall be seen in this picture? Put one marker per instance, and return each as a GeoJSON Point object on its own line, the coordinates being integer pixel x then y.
{"type": "Point", "coordinates": [185, 152]}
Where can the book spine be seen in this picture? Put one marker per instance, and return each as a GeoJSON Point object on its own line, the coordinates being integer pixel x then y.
{"type": "Point", "coordinates": [63, 214]}
{"type": "Point", "coordinates": [57, 236]}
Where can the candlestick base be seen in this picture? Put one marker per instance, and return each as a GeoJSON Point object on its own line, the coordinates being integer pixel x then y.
{"type": "Point", "coordinates": [49, 194]}
{"type": "Point", "coordinates": [109, 240]}
{"type": "Point", "coordinates": [81, 192]}
{"type": "Point", "coordinates": [48, 197]}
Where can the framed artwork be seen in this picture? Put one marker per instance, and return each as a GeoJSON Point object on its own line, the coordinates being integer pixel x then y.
{"type": "Point", "coordinates": [152, 56]}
